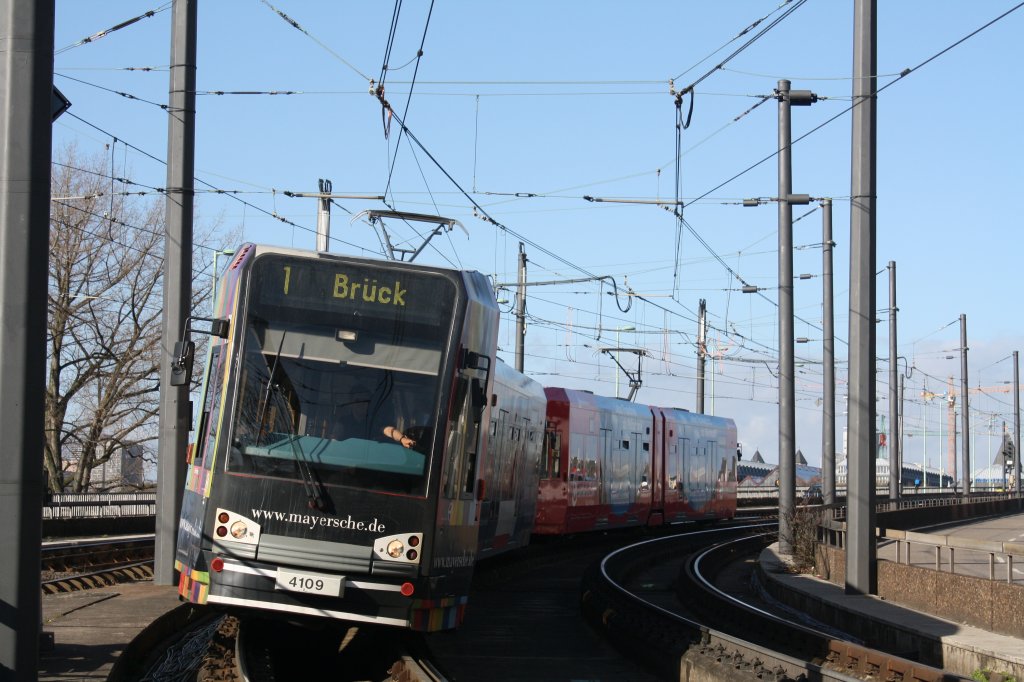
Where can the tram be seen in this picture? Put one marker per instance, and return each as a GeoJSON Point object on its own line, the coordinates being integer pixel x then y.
{"type": "Point", "coordinates": [336, 465]}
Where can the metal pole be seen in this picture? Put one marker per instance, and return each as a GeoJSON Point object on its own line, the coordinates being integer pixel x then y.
{"type": "Point", "coordinates": [942, 473]}
{"type": "Point", "coordinates": [828, 424]}
{"type": "Point", "coordinates": [175, 408]}
{"type": "Point", "coordinates": [702, 352]}
{"type": "Point", "coordinates": [951, 429]}
{"type": "Point", "coordinates": [323, 217]}
{"type": "Point", "coordinates": [26, 84]}
{"type": "Point", "coordinates": [617, 368]}
{"type": "Point", "coordinates": [924, 453]}
{"type": "Point", "coordinates": [901, 425]}
{"type": "Point", "coordinates": [521, 311]}
{"type": "Point", "coordinates": [965, 405]}
{"type": "Point", "coordinates": [787, 398]}
{"type": "Point", "coordinates": [861, 572]}
{"type": "Point", "coordinates": [1016, 424]}
{"type": "Point", "coordinates": [895, 474]}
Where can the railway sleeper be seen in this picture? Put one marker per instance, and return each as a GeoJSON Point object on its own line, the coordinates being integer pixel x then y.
{"type": "Point", "coordinates": [104, 578]}
{"type": "Point", "coordinates": [856, 659]}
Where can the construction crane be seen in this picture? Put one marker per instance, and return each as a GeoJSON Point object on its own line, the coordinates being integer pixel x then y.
{"type": "Point", "coordinates": [950, 398]}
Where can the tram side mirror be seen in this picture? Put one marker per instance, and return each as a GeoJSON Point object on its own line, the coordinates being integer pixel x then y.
{"type": "Point", "coordinates": [181, 365]}
{"type": "Point", "coordinates": [219, 328]}
{"type": "Point", "coordinates": [474, 360]}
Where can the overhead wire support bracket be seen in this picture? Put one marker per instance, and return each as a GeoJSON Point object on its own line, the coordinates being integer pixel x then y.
{"type": "Point", "coordinates": [376, 219]}
{"type": "Point", "coordinates": [635, 381]}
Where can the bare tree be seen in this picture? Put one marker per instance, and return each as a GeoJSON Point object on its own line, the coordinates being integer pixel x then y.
{"type": "Point", "coordinates": [104, 299]}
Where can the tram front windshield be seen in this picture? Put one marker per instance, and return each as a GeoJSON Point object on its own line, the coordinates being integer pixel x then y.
{"type": "Point", "coordinates": [340, 376]}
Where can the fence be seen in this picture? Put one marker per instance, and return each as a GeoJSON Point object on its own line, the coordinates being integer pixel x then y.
{"type": "Point", "coordinates": [98, 505]}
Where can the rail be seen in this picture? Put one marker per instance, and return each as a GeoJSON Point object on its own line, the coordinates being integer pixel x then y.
{"type": "Point", "coordinates": [706, 637]}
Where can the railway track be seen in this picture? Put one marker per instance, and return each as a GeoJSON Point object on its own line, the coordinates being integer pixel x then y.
{"type": "Point", "coordinates": [659, 600]}
{"type": "Point", "coordinates": [82, 564]}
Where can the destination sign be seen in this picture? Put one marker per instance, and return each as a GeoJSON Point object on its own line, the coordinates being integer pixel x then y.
{"type": "Point", "coordinates": [378, 290]}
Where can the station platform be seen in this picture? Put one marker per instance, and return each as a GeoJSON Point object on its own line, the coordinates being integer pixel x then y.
{"type": "Point", "coordinates": [91, 628]}
{"type": "Point", "coordinates": [915, 633]}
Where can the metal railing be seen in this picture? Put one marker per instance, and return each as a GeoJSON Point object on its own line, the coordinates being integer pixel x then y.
{"type": "Point", "coordinates": [938, 550]}
{"type": "Point", "coordinates": [970, 547]}
{"type": "Point", "coordinates": [98, 505]}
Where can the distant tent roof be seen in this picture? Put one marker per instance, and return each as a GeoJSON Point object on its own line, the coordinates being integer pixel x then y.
{"type": "Point", "coordinates": [803, 476]}
{"type": "Point", "coordinates": [800, 458]}
{"type": "Point", "coordinates": [757, 457]}
{"type": "Point", "coordinates": [990, 474]}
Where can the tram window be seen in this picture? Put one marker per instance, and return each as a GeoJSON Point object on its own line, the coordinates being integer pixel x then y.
{"type": "Point", "coordinates": [477, 397]}
{"type": "Point", "coordinates": [553, 468]}
{"type": "Point", "coordinates": [457, 439]}
{"type": "Point", "coordinates": [460, 478]}
{"type": "Point", "coordinates": [207, 434]}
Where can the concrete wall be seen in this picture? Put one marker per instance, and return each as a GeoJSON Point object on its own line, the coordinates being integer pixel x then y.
{"type": "Point", "coordinates": [991, 605]}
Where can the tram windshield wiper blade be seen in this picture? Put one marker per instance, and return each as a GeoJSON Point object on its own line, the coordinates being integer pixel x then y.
{"type": "Point", "coordinates": [270, 388]}
{"type": "Point", "coordinates": [315, 491]}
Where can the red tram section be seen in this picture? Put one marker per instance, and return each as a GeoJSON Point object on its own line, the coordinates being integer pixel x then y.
{"type": "Point", "coordinates": [610, 463]}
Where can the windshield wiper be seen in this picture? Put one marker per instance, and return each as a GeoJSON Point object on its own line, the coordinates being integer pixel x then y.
{"type": "Point", "coordinates": [315, 491]}
{"type": "Point", "coordinates": [316, 494]}
{"type": "Point", "coordinates": [270, 387]}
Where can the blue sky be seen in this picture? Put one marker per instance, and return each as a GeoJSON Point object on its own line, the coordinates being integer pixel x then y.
{"type": "Point", "coordinates": [531, 106]}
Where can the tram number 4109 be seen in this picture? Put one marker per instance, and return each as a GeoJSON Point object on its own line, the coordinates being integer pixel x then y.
{"type": "Point", "coordinates": [310, 583]}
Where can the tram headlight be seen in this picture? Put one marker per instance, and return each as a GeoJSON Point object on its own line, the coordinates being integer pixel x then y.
{"type": "Point", "coordinates": [404, 547]}
{"type": "Point", "coordinates": [232, 527]}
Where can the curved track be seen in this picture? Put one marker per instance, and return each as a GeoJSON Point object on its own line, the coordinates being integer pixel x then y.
{"type": "Point", "coordinates": [659, 599]}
